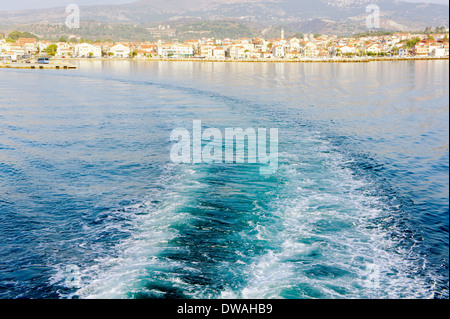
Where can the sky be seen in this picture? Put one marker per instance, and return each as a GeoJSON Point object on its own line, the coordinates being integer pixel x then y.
{"type": "Point", "coordinates": [7, 5]}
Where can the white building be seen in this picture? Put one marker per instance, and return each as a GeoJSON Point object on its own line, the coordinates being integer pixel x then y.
{"type": "Point", "coordinates": [8, 56]}
{"type": "Point", "coordinates": [278, 51]}
{"type": "Point", "coordinates": [4, 46]}
{"type": "Point", "coordinates": [64, 52]}
{"type": "Point", "coordinates": [236, 52]}
{"type": "Point", "coordinates": [206, 51]}
{"type": "Point", "coordinates": [346, 49]}
{"type": "Point", "coordinates": [176, 50]}
{"type": "Point", "coordinates": [266, 55]}
{"type": "Point", "coordinates": [373, 48]}
{"type": "Point", "coordinates": [43, 45]}
{"type": "Point", "coordinates": [294, 44]}
{"type": "Point", "coordinates": [438, 53]}
{"type": "Point", "coordinates": [85, 50]}
{"type": "Point", "coordinates": [120, 51]}
{"type": "Point", "coordinates": [218, 53]}
{"type": "Point", "coordinates": [183, 50]}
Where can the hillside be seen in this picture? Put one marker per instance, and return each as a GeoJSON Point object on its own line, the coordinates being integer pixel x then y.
{"type": "Point", "coordinates": [338, 16]}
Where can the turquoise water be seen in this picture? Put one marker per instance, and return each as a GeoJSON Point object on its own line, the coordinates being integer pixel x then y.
{"type": "Point", "coordinates": [92, 207]}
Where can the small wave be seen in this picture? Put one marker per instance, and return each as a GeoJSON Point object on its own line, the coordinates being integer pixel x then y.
{"type": "Point", "coordinates": [337, 236]}
{"type": "Point", "coordinates": [151, 228]}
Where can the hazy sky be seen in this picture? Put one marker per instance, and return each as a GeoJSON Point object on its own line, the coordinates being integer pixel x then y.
{"type": "Point", "coordinates": [6, 5]}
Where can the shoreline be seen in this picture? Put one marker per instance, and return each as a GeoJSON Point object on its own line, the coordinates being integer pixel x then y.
{"type": "Point", "coordinates": [20, 65]}
{"type": "Point", "coordinates": [67, 63]}
{"type": "Point", "coordinates": [354, 60]}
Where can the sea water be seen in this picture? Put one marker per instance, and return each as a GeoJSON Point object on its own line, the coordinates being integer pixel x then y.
{"type": "Point", "coordinates": [91, 206]}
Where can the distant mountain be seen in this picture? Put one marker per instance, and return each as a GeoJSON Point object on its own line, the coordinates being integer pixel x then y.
{"type": "Point", "coordinates": [304, 15]}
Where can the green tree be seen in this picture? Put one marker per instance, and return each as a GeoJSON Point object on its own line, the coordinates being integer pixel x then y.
{"type": "Point", "coordinates": [85, 41]}
{"type": "Point", "coordinates": [412, 42]}
{"type": "Point", "coordinates": [133, 54]}
{"type": "Point", "coordinates": [51, 49]}
{"type": "Point", "coordinates": [15, 35]}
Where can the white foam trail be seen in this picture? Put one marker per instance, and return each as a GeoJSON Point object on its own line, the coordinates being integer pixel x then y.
{"type": "Point", "coordinates": [332, 238]}
{"type": "Point", "coordinates": [329, 240]}
{"type": "Point", "coordinates": [121, 276]}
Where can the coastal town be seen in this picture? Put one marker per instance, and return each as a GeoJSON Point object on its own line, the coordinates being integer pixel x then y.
{"type": "Point", "coordinates": [308, 47]}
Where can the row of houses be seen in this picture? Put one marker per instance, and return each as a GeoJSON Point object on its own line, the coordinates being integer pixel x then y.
{"type": "Point", "coordinates": [245, 48]}
{"type": "Point", "coordinates": [431, 48]}
{"type": "Point", "coordinates": [29, 47]}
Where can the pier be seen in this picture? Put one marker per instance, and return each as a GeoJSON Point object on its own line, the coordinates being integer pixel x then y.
{"type": "Point", "coordinates": [57, 66]}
